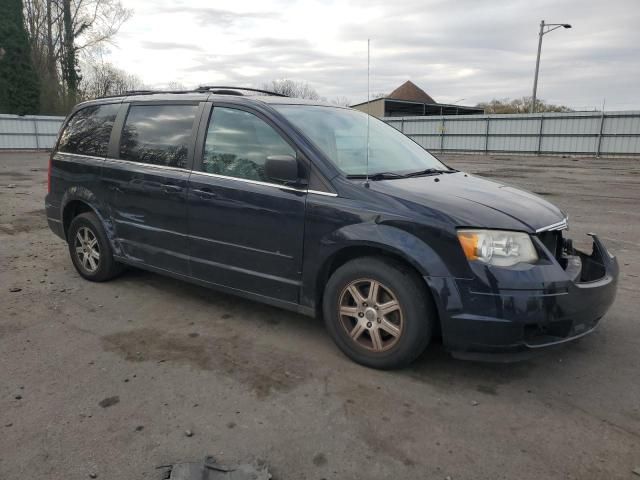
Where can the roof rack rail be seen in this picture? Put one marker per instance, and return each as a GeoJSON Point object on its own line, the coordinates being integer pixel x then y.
{"type": "Point", "coordinates": [226, 90]}
{"type": "Point", "coordinates": [140, 92]}
{"type": "Point", "coordinates": [145, 92]}
{"type": "Point", "coordinates": [201, 89]}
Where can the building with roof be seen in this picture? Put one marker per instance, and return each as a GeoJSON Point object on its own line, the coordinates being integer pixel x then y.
{"type": "Point", "coordinates": [410, 100]}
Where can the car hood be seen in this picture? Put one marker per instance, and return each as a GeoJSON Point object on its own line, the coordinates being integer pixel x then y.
{"type": "Point", "coordinates": [474, 202]}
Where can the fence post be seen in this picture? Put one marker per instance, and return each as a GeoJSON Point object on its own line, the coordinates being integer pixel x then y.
{"type": "Point", "coordinates": [442, 136]}
{"type": "Point", "coordinates": [599, 145]}
{"type": "Point", "coordinates": [486, 136]}
{"type": "Point", "coordinates": [402, 125]}
{"type": "Point", "coordinates": [35, 130]}
{"type": "Point", "coordinates": [540, 133]}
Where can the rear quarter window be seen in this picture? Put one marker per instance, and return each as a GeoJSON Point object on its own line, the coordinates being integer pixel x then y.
{"type": "Point", "coordinates": [158, 134]}
{"type": "Point", "coordinates": [88, 131]}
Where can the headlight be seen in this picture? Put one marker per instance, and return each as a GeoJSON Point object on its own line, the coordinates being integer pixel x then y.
{"type": "Point", "coordinates": [497, 247]}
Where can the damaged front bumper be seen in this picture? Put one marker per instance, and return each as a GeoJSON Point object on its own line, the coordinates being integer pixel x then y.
{"type": "Point", "coordinates": [521, 310]}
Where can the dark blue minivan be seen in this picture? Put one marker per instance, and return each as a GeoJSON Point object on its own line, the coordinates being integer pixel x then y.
{"type": "Point", "coordinates": [325, 211]}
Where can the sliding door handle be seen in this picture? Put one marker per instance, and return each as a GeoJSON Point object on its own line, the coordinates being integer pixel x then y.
{"type": "Point", "coordinates": [170, 188]}
{"type": "Point", "coordinates": [204, 193]}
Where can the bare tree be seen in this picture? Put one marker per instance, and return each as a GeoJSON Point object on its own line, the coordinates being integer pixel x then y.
{"type": "Point", "coordinates": [292, 88]}
{"type": "Point", "coordinates": [520, 105]}
{"type": "Point", "coordinates": [341, 101]}
{"type": "Point", "coordinates": [101, 79]}
{"type": "Point", "coordinates": [41, 19]}
{"type": "Point", "coordinates": [59, 31]}
{"type": "Point", "coordinates": [176, 86]}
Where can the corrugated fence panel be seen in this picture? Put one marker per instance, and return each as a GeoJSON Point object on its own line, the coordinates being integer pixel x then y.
{"type": "Point", "coordinates": [430, 143]}
{"type": "Point", "coordinates": [50, 127]}
{"type": "Point", "coordinates": [395, 124]}
{"type": "Point", "coordinates": [622, 125]}
{"type": "Point", "coordinates": [620, 145]}
{"type": "Point", "coordinates": [569, 144]}
{"type": "Point", "coordinates": [617, 133]}
{"type": "Point", "coordinates": [424, 127]}
{"type": "Point", "coordinates": [463, 142]}
{"type": "Point", "coordinates": [583, 133]}
{"type": "Point", "coordinates": [508, 126]}
{"type": "Point", "coordinates": [469, 127]}
{"type": "Point", "coordinates": [577, 125]}
{"type": "Point", "coordinates": [28, 132]}
{"type": "Point", "coordinates": [515, 143]}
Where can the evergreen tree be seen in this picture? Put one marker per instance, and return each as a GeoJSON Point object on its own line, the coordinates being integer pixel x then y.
{"type": "Point", "coordinates": [19, 86]}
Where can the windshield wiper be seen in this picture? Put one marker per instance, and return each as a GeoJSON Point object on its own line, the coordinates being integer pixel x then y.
{"type": "Point", "coordinates": [393, 175]}
{"type": "Point", "coordinates": [378, 176]}
{"type": "Point", "coordinates": [428, 171]}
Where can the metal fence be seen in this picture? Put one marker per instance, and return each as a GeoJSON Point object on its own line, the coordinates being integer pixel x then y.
{"type": "Point", "coordinates": [29, 132]}
{"type": "Point", "coordinates": [575, 133]}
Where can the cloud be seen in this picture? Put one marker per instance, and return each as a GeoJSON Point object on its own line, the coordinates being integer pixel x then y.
{"type": "Point", "coordinates": [151, 45]}
{"type": "Point", "coordinates": [463, 49]}
{"type": "Point", "coordinates": [210, 16]}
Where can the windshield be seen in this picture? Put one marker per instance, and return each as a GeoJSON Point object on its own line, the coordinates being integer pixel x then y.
{"type": "Point", "coordinates": [341, 134]}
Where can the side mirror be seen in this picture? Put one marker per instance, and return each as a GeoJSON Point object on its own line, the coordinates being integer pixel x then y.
{"type": "Point", "coordinates": [283, 168]}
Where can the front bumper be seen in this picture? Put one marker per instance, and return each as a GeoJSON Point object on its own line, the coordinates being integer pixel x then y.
{"type": "Point", "coordinates": [527, 308]}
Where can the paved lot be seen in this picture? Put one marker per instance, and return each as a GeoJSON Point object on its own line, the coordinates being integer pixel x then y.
{"type": "Point", "coordinates": [252, 381]}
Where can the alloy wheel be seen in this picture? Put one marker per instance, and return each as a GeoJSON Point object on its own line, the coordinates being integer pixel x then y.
{"type": "Point", "coordinates": [371, 314]}
{"type": "Point", "coordinates": [87, 249]}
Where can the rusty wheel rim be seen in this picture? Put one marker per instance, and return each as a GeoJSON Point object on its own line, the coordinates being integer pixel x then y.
{"type": "Point", "coordinates": [371, 314]}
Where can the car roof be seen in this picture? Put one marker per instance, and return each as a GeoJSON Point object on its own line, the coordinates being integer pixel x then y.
{"type": "Point", "coordinates": [290, 101]}
{"type": "Point", "coordinates": [204, 96]}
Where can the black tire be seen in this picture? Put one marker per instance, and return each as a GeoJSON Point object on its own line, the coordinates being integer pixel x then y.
{"type": "Point", "coordinates": [417, 314]}
{"type": "Point", "coordinates": [87, 225]}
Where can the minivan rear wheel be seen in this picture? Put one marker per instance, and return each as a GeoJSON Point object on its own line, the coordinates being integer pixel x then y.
{"type": "Point", "coordinates": [90, 249]}
{"type": "Point", "coordinates": [378, 312]}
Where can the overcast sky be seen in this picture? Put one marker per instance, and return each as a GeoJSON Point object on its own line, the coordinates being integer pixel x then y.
{"type": "Point", "coordinates": [474, 50]}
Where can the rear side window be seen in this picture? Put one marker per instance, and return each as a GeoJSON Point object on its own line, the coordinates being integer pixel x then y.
{"type": "Point", "coordinates": [158, 134]}
{"type": "Point", "coordinates": [88, 131]}
{"type": "Point", "coordinates": [238, 143]}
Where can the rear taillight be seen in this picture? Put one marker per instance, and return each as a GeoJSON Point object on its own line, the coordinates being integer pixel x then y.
{"type": "Point", "coordinates": [49, 174]}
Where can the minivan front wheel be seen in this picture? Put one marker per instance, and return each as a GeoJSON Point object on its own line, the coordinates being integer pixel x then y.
{"type": "Point", "coordinates": [378, 312]}
{"type": "Point", "coordinates": [90, 249]}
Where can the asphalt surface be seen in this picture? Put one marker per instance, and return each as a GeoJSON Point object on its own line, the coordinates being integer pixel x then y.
{"type": "Point", "coordinates": [107, 379]}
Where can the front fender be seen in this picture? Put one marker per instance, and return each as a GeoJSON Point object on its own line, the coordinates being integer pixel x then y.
{"type": "Point", "coordinates": [390, 239]}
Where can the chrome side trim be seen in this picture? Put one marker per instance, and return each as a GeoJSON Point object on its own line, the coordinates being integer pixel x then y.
{"type": "Point", "coordinates": [246, 180]}
{"type": "Point", "coordinates": [562, 225]}
{"type": "Point", "coordinates": [326, 194]}
{"type": "Point", "coordinates": [145, 165]}
{"type": "Point", "coordinates": [120, 161]}
{"type": "Point", "coordinates": [76, 155]}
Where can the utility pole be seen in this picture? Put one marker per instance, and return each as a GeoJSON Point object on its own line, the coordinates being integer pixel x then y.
{"type": "Point", "coordinates": [535, 78]}
{"type": "Point", "coordinates": [540, 35]}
